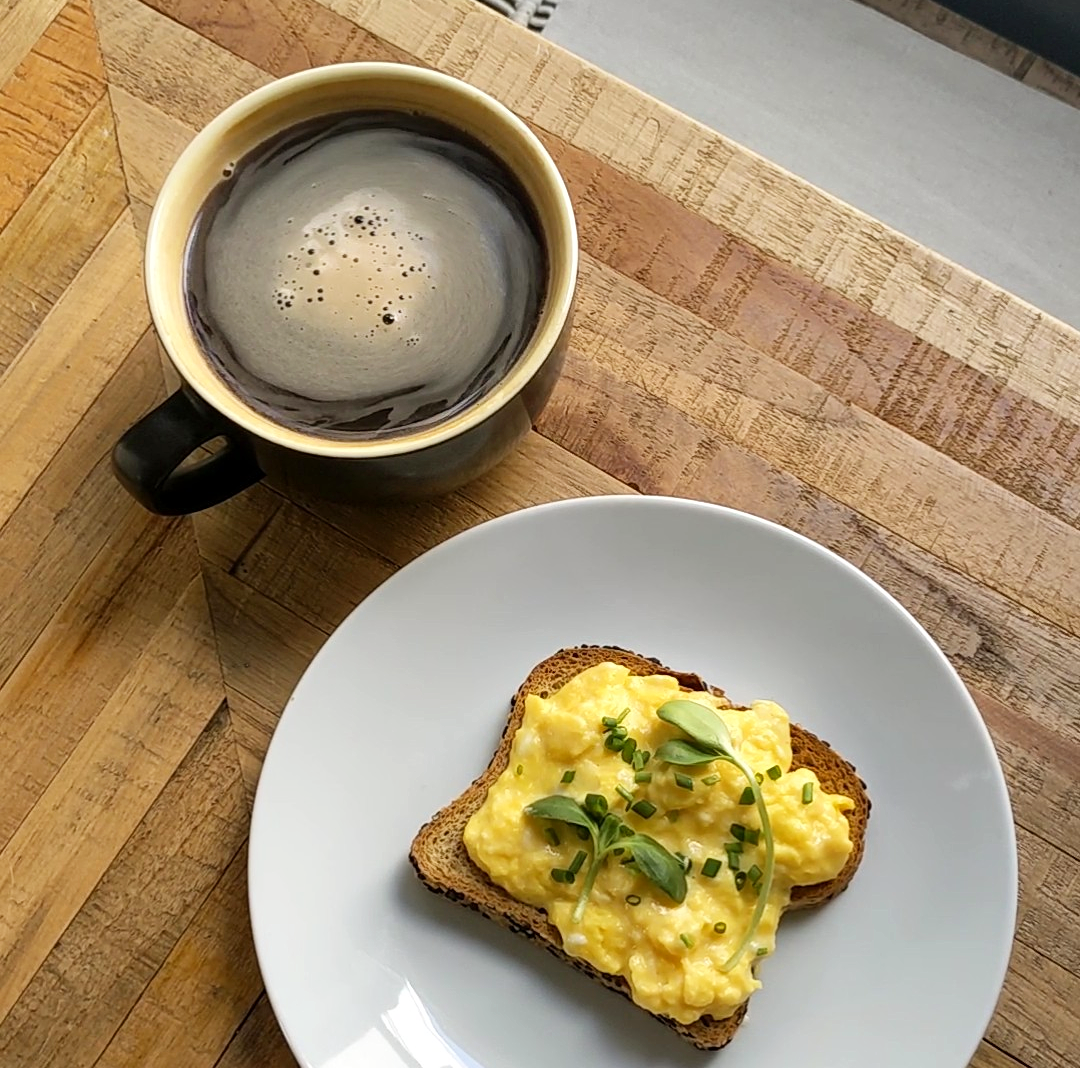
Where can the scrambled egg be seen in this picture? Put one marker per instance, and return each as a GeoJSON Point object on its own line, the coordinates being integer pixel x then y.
{"type": "Point", "coordinates": [671, 954]}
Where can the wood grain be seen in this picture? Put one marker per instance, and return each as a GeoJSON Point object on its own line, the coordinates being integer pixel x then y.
{"type": "Point", "coordinates": [57, 227]}
{"type": "Point", "coordinates": [104, 788]}
{"type": "Point", "coordinates": [201, 994]}
{"type": "Point", "coordinates": [260, 1042]}
{"type": "Point", "coordinates": [741, 337]}
{"type": "Point", "coordinates": [99, 970]}
{"type": "Point", "coordinates": [46, 97]}
{"type": "Point", "coordinates": [100, 627]}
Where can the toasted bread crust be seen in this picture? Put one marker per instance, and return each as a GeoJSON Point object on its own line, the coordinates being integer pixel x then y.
{"type": "Point", "coordinates": [443, 864]}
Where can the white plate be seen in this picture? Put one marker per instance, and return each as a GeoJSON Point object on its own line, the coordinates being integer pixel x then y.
{"type": "Point", "coordinates": [403, 707]}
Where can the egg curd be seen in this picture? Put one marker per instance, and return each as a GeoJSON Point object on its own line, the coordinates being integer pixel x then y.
{"type": "Point", "coordinates": [671, 954]}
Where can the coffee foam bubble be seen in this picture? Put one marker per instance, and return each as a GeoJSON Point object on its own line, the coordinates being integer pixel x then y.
{"type": "Point", "coordinates": [370, 266]}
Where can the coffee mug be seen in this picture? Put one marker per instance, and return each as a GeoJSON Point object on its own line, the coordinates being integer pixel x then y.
{"type": "Point", "coordinates": [391, 327]}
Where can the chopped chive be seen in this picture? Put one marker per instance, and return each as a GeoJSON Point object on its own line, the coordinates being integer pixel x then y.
{"type": "Point", "coordinates": [614, 742]}
{"type": "Point", "coordinates": [609, 722]}
{"type": "Point", "coordinates": [733, 860]}
{"type": "Point", "coordinates": [719, 927]}
{"type": "Point", "coordinates": [733, 847]}
{"type": "Point", "coordinates": [738, 832]}
{"type": "Point", "coordinates": [774, 772]}
{"type": "Point", "coordinates": [633, 899]}
{"type": "Point", "coordinates": [752, 836]}
{"type": "Point", "coordinates": [562, 875]}
{"type": "Point", "coordinates": [687, 940]}
{"type": "Point", "coordinates": [637, 761]}
{"type": "Point", "coordinates": [596, 806]}
{"type": "Point", "coordinates": [646, 756]}
{"type": "Point", "coordinates": [625, 832]}
{"type": "Point", "coordinates": [518, 770]}
{"type": "Point", "coordinates": [747, 797]}
{"type": "Point", "coordinates": [582, 833]}
{"type": "Point", "coordinates": [622, 715]}
{"type": "Point", "coordinates": [710, 868]}
{"type": "Point", "coordinates": [552, 836]}
{"type": "Point", "coordinates": [740, 880]}
{"type": "Point", "coordinates": [568, 776]}
{"type": "Point", "coordinates": [618, 851]}
{"type": "Point", "coordinates": [807, 793]}
{"type": "Point", "coordinates": [711, 780]}
{"type": "Point", "coordinates": [628, 750]}
{"type": "Point", "coordinates": [643, 776]}
{"type": "Point", "coordinates": [625, 794]}
{"type": "Point", "coordinates": [762, 951]}
{"type": "Point", "coordinates": [672, 815]}
{"type": "Point", "coordinates": [575, 864]}
{"type": "Point", "coordinates": [645, 809]}
{"type": "Point", "coordinates": [760, 778]}
{"type": "Point", "coordinates": [684, 780]}
{"type": "Point", "coordinates": [754, 873]}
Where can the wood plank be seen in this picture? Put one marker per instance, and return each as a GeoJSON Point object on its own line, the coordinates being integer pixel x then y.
{"type": "Point", "coordinates": [989, 1056]}
{"type": "Point", "coordinates": [89, 809]}
{"type": "Point", "coordinates": [1041, 769]}
{"type": "Point", "coordinates": [101, 627]}
{"type": "Point", "coordinates": [260, 1044]}
{"type": "Point", "coordinates": [253, 725]}
{"type": "Point", "coordinates": [167, 66]}
{"type": "Point", "coordinates": [308, 567]}
{"type": "Point", "coordinates": [122, 935]}
{"type": "Point", "coordinates": [1049, 911]}
{"type": "Point", "coordinates": [203, 991]}
{"type": "Point", "coordinates": [264, 648]}
{"type": "Point", "coordinates": [1038, 1017]}
{"type": "Point", "coordinates": [283, 36]}
{"type": "Point", "coordinates": [225, 532]}
{"type": "Point", "coordinates": [47, 389]}
{"type": "Point", "coordinates": [21, 24]}
{"type": "Point", "coordinates": [859, 357]}
{"type": "Point", "coordinates": [56, 228]}
{"type": "Point", "coordinates": [69, 513]}
{"type": "Point", "coordinates": [47, 96]}
{"type": "Point", "coordinates": [150, 141]}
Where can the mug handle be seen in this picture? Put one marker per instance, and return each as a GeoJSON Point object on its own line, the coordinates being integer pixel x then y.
{"type": "Point", "coordinates": [147, 459]}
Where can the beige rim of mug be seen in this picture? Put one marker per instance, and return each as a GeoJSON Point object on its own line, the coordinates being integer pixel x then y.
{"type": "Point", "coordinates": [252, 119]}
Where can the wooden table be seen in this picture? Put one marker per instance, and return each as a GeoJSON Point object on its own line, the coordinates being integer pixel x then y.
{"type": "Point", "coordinates": [741, 337]}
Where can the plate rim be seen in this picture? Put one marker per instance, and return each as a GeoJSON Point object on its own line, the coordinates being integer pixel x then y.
{"type": "Point", "coordinates": [726, 513]}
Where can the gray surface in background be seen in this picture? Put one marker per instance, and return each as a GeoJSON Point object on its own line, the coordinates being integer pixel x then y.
{"type": "Point", "coordinates": [965, 160]}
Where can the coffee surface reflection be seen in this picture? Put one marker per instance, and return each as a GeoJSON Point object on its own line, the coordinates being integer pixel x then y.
{"type": "Point", "coordinates": [365, 274]}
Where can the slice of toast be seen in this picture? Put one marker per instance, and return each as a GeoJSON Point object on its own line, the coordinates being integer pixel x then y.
{"type": "Point", "coordinates": [439, 856]}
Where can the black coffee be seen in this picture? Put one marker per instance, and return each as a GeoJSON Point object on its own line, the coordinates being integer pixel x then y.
{"type": "Point", "coordinates": [365, 273]}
